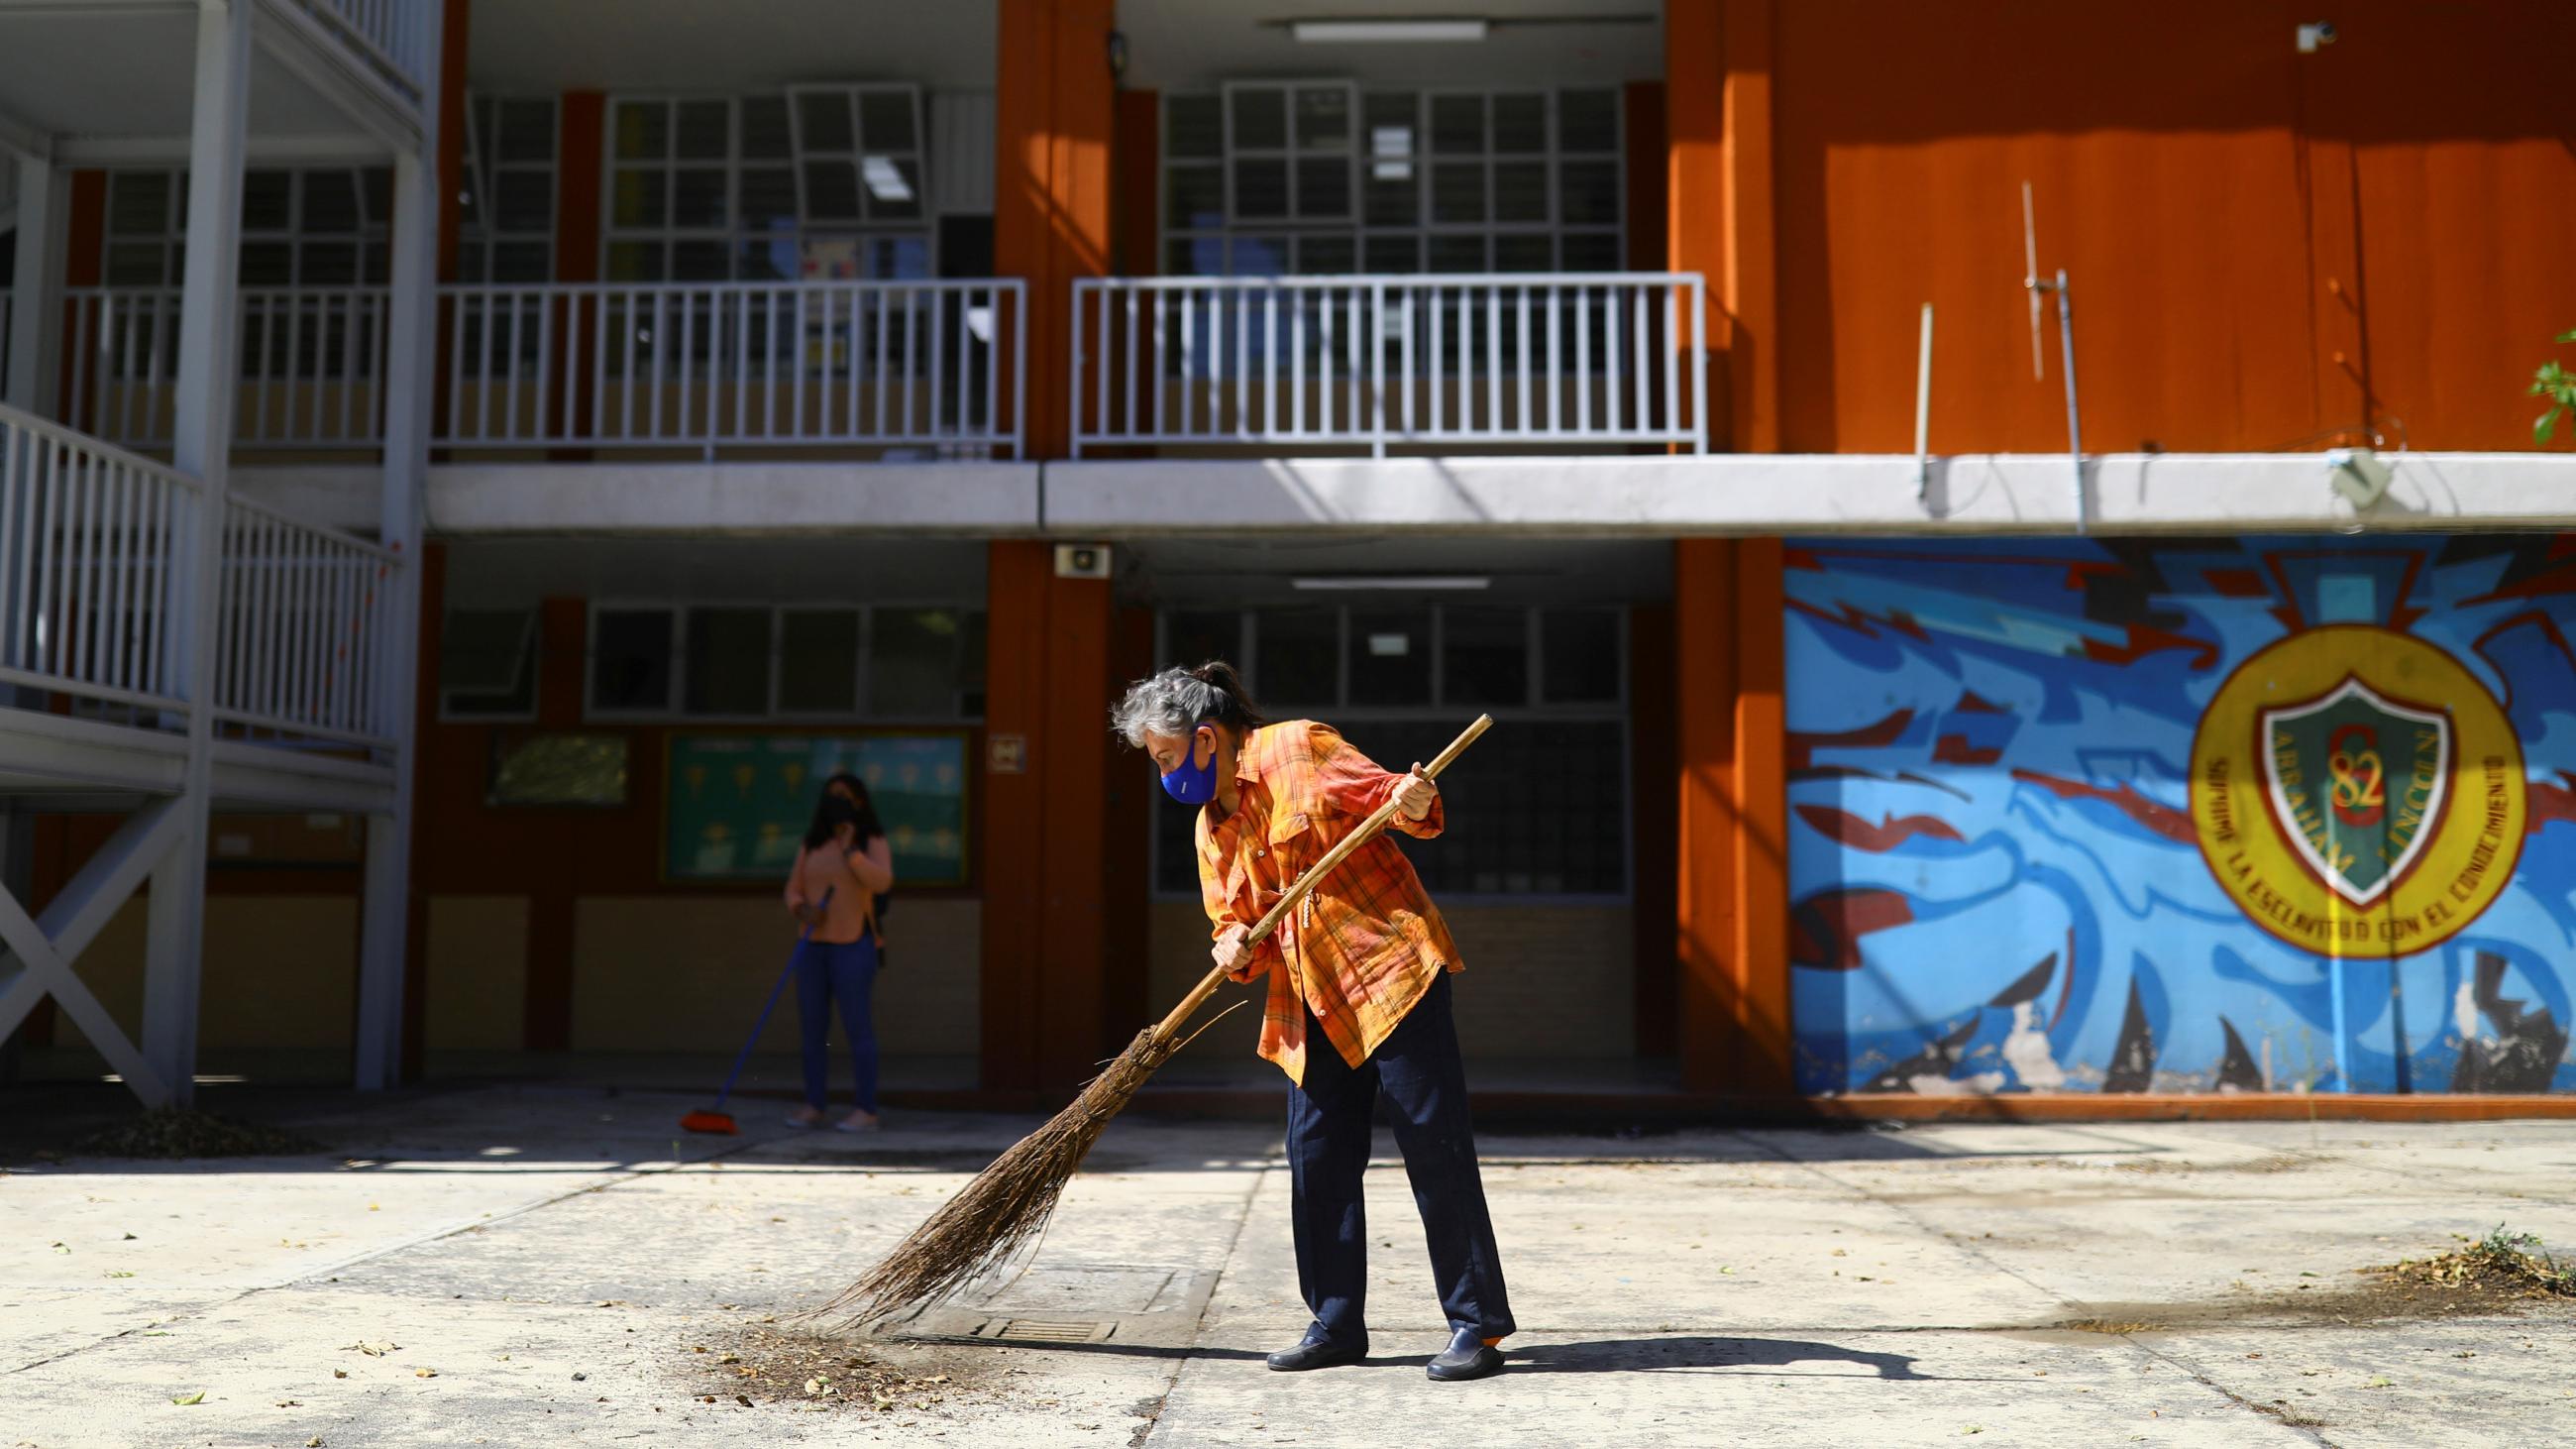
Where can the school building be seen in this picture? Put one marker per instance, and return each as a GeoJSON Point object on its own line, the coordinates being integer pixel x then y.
{"type": "Point", "coordinates": [2006, 542]}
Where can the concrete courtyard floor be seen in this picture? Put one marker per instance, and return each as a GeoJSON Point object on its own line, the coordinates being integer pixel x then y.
{"type": "Point", "coordinates": [547, 1265]}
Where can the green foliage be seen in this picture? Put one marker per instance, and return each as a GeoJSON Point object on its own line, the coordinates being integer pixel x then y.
{"type": "Point", "coordinates": [2558, 385]}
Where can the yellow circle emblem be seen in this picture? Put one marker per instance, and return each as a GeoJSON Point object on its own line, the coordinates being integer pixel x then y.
{"type": "Point", "coordinates": [2357, 792]}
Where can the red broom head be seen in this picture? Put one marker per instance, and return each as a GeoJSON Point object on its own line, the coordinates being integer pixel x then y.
{"type": "Point", "coordinates": [717, 1123]}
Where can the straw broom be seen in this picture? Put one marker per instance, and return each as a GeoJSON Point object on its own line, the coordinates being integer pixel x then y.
{"type": "Point", "coordinates": [1008, 1204]}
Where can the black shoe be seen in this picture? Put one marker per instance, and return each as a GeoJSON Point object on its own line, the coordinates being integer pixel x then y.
{"type": "Point", "coordinates": [1315, 1353]}
{"type": "Point", "coordinates": [1468, 1356]}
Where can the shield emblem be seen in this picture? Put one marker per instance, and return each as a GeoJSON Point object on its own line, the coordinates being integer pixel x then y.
{"type": "Point", "coordinates": [2359, 782]}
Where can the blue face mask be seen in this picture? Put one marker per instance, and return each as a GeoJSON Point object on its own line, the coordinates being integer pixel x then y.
{"type": "Point", "coordinates": [1190, 782]}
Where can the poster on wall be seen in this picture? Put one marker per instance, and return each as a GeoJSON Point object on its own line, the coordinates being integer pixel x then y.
{"type": "Point", "coordinates": [2192, 815]}
{"type": "Point", "coordinates": [737, 805]}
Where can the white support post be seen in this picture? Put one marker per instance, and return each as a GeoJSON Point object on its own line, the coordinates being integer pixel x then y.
{"type": "Point", "coordinates": [410, 379]}
{"type": "Point", "coordinates": [202, 443]}
{"type": "Point", "coordinates": [36, 315]}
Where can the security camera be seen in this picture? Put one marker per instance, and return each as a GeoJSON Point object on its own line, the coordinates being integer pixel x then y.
{"type": "Point", "coordinates": [2315, 36]}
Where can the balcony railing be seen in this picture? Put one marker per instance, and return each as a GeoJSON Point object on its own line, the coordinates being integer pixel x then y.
{"type": "Point", "coordinates": [1543, 361]}
{"type": "Point", "coordinates": [392, 33]}
{"type": "Point", "coordinates": [931, 365]}
{"type": "Point", "coordinates": [91, 539]}
{"type": "Point", "coordinates": [95, 546]}
{"type": "Point", "coordinates": [306, 633]}
{"type": "Point", "coordinates": [312, 366]}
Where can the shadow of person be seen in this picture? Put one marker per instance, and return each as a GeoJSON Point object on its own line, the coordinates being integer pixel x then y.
{"type": "Point", "coordinates": [1647, 1355]}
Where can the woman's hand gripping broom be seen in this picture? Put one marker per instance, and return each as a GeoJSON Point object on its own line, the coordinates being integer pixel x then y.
{"type": "Point", "coordinates": [1008, 1203]}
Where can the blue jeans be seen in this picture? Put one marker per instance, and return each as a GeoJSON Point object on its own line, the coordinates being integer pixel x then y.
{"type": "Point", "coordinates": [847, 972]}
{"type": "Point", "coordinates": [1331, 1118]}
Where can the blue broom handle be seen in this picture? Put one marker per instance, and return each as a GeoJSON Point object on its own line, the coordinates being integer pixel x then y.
{"type": "Point", "coordinates": [743, 1058]}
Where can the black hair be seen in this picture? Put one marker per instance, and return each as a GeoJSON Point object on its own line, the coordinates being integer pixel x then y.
{"type": "Point", "coordinates": [1234, 707]}
{"type": "Point", "coordinates": [831, 812]}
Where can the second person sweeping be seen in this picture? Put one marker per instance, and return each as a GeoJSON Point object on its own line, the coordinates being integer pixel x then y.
{"type": "Point", "coordinates": [1358, 1005]}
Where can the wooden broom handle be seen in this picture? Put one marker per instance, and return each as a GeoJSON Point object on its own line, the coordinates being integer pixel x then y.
{"type": "Point", "coordinates": [1289, 898]}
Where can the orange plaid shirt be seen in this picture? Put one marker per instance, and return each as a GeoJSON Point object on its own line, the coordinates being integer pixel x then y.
{"type": "Point", "coordinates": [1366, 942]}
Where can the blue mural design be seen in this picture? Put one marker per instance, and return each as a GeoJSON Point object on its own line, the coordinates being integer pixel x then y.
{"type": "Point", "coordinates": [1997, 880]}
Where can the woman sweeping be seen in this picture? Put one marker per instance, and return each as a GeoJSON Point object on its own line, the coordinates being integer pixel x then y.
{"type": "Point", "coordinates": [1358, 1003]}
{"type": "Point", "coordinates": [842, 866]}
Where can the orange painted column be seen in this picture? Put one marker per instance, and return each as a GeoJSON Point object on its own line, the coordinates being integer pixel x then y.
{"type": "Point", "coordinates": [1055, 116]}
{"type": "Point", "coordinates": [1760, 806]}
{"type": "Point", "coordinates": [1049, 670]}
{"type": "Point", "coordinates": [1720, 217]}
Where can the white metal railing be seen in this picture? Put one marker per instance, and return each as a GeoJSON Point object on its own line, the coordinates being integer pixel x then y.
{"type": "Point", "coordinates": [927, 364]}
{"type": "Point", "coordinates": [306, 629]}
{"type": "Point", "coordinates": [1521, 359]}
{"type": "Point", "coordinates": [312, 365]}
{"type": "Point", "coordinates": [393, 33]}
{"type": "Point", "coordinates": [91, 543]}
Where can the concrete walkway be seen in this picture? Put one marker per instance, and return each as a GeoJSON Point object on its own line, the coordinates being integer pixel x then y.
{"type": "Point", "coordinates": [543, 1264]}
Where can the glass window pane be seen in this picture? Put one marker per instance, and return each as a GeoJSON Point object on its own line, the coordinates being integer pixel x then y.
{"type": "Point", "coordinates": [1324, 256]}
{"type": "Point", "coordinates": [1581, 649]}
{"type": "Point", "coordinates": [1257, 256]}
{"type": "Point", "coordinates": [765, 136]}
{"type": "Point", "coordinates": [1193, 196]}
{"type": "Point", "coordinates": [1458, 192]}
{"type": "Point", "coordinates": [698, 197]}
{"type": "Point", "coordinates": [885, 121]}
{"type": "Point", "coordinates": [139, 264]}
{"type": "Point", "coordinates": [524, 201]}
{"type": "Point", "coordinates": [1394, 254]}
{"type": "Point", "coordinates": [1323, 187]}
{"type": "Point", "coordinates": [1594, 251]}
{"type": "Point", "coordinates": [1391, 108]}
{"type": "Point", "coordinates": [521, 262]}
{"type": "Point", "coordinates": [832, 190]}
{"type": "Point", "coordinates": [487, 661]}
{"type": "Point", "coordinates": [1590, 193]}
{"type": "Point", "coordinates": [1458, 124]}
{"type": "Point", "coordinates": [912, 663]}
{"type": "Point", "coordinates": [376, 188]}
{"type": "Point", "coordinates": [970, 664]}
{"type": "Point", "coordinates": [1194, 636]}
{"type": "Point", "coordinates": [1587, 121]}
{"type": "Point", "coordinates": [526, 131]}
{"type": "Point", "coordinates": [825, 117]}
{"type": "Point", "coordinates": [1260, 119]}
{"type": "Point", "coordinates": [729, 661]}
{"type": "Point", "coordinates": [1260, 188]}
{"type": "Point", "coordinates": [1458, 254]}
{"type": "Point", "coordinates": [322, 264]}
{"type": "Point", "coordinates": [703, 130]}
{"type": "Point", "coordinates": [630, 659]}
{"type": "Point", "coordinates": [267, 264]}
{"type": "Point", "coordinates": [818, 661]}
{"type": "Point", "coordinates": [1520, 191]}
{"type": "Point", "coordinates": [701, 261]}
{"type": "Point", "coordinates": [138, 204]}
{"type": "Point", "coordinates": [643, 130]}
{"type": "Point", "coordinates": [641, 199]}
{"type": "Point", "coordinates": [1323, 118]}
{"type": "Point", "coordinates": [1393, 200]}
{"type": "Point", "coordinates": [1524, 252]}
{"type": "Point", "coordinates": [1520, 125]}
{"type": "Point", "coordinates": [633, 261]}
{"type": "Point", "coordinates": [768, 198]}
{"type": "Point", "coordinates": [1297, 658]}
{"type": "Point", "coordinates": [1193, 126]}
{"type": "Point", "coordinates": [1484, 655]}
{"type": "Point", "coordinates": [1391, 656]}
{"type": "Point", "coordinates": [893, 185]}
{"type": "Point", "coordinates": [267, 204]}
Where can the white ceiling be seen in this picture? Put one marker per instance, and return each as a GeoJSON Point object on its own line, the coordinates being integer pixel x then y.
{"type": "Point", "coordinates": [122, 73]}
{"type": "Point", "coordinates": [1193, 44]}
{"type": "Point", "coordinates": [513, 573]}
{"type": "Point", "coordinates": [1520, 570]}
{"type": "Point", "coordinates": [544, 47]}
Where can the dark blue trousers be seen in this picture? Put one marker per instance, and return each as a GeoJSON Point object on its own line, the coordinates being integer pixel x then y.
{"type": "Point", "coordinates": [1331, 1119]}
{"type": "Point", "coordinates": [847, 973]}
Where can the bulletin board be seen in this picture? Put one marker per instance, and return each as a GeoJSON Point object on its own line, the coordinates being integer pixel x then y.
{"type": "Point", "coordinates": [736, 805]}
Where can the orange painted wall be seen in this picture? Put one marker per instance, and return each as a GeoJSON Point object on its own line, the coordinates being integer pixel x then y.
{"type": "Point", "coordinates": [2207, 188]}
{"type": "Point", "coordinates": [1054, 125]}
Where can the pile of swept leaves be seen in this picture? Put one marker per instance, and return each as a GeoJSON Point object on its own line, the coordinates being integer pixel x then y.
{"type": "Point", "coordinates": [795, 1367]}
{"type": "Point", "coordinates": [173, 1132]}
{"type": "Point", "coordinates": [2508, 1264]}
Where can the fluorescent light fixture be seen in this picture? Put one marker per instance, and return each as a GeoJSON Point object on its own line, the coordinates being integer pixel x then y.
{"type": "Point", "coordinates": [1390, 646]}
{"type": "Point", "coordinates": [1368, 32]}
{"type": "Point", "coordinates": [1391, 153]}
{"type": "Point", "coordinates": [1351, 583]}
{"type": "Point", "coordinates": [884, 181]}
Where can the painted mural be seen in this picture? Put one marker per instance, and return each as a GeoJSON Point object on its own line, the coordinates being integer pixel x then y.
{"type": "Point", "coordinates": [2190, 815]}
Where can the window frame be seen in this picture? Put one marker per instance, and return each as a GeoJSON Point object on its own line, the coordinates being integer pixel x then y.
{"type": "Point", "coordinates": [482, 237]}
{"type": "Point", "coordinates": [1532, 710]}
{"type": "Point", "coordinates": [532, 648]}
{"type": "Point", "coordinates": [674, 707]}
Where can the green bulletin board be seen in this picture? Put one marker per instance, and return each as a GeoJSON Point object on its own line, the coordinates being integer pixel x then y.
{"type": "Point", "coordinates": [736, 805]}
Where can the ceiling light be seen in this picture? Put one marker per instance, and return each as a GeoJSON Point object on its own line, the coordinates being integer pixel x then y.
{"type": "Point", "coordinates": [1389, 582]}
{"type": "Point", "coordinates": [884, 179]}
{"type": "Point", "coordinates": [1367, 32]}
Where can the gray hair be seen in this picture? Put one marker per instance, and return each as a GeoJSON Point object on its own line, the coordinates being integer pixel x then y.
{"type": "Point", "coordinates": [1177, 701]}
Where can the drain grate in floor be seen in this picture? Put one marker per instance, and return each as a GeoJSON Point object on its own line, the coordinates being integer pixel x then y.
{"type": "Point", "coordinates": [1049, 1330]}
